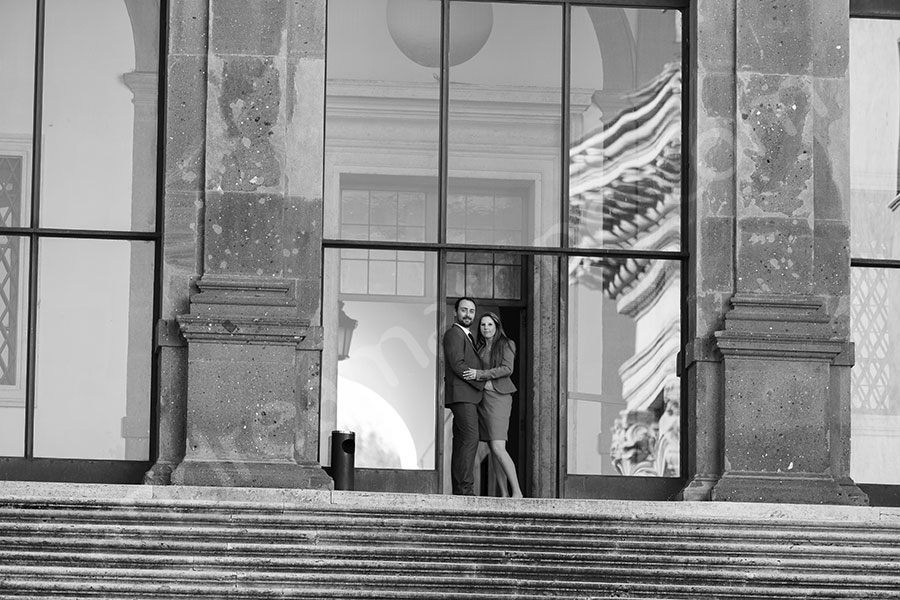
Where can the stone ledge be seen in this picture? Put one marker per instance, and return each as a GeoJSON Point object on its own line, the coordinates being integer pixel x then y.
{"type": "Point", "coordinates": [303, 499]}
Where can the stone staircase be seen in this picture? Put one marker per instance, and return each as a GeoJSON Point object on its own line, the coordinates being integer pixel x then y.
{"type": "Point", "coordinates": [137, 542]}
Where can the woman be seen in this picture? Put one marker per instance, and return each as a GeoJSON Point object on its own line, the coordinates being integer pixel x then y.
{"type": "Point", "coordinates": [498, 354]}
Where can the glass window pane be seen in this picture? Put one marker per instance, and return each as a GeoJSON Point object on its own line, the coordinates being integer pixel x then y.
{"type": "Point", "coordinates": [456, 211]}
{"type": "Point", "coordinates": [355, 232]}
{"type": "Point", "coordinates": [479, 281]}
{"type": "Point", "coordinates": [386, 387]}
{"type": "Point", "coordinates": [15, 178]}
{"type": "Point", "coordinates": [94, 345]}
{"type": "Point", "coordinates": [411, 234]}
{"type": "Point", "coordinates": [382, 277]}
{"type": "Point", "coordinates": [623, 392]}
{"type": "Point", "coordinates": [505, 117]}
{"type": "Point", "coordinates": [456, 280]}
{"type": "Point", "coordinates": [13, 343]}
{"type": "Point", "coordinates": [16, 123]}
{"type": "Point", "coordinates": [99, 117]}
{"type": "Point", "coordinates": [625, 154]}
{"type": "Point", "coordinates": [354, 276]}
{"type": "Point", "coordinates": [507, 282]}
{"type": "Point", "coordinates": [383, 208]}
{"type": "Point", "coordinates": [354, 207]}
{"type": "Point", "coordinates": [874, 137]}
{"type": "Point", "coordinates": [383, 254]}
{"type": "Point", "coordinates": [410, 278]}
{"type": "Point", "coordinates": [875, 378]}
{"type": "Point", "coordinates": [382, 104]}
{"type": "Point", "coordinates": [411, 209]}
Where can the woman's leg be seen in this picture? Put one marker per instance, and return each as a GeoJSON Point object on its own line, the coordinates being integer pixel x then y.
{"type": "Point", "coordinates": [500, 477]}
{"type": "Point", "coordinates": [498, 447]}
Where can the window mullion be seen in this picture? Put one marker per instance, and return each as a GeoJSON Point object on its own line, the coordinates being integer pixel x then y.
{"type": "Point", "coordinates": [33, 246]}
{"type": "Point", "coordinates": [566, 126]}
{"type": "Point", "coordinates": [444, 121]}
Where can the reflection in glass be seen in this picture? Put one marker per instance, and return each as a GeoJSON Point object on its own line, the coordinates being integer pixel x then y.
{"type": "Point", "coordinates": [625, 154]}
{"type": "Point", "coordinates": [386, 385]}
{"type": "Point", "coordinates": [13, 333]}
{"type": "Point", "coordinates": [875, 378]}
{"type": "Point", "coordinates": [874, 137]}
{"type": "Point", "coordinates": [99, 117]}
{"type": "Point", "coordinates": [483, 218]}
{"type": "Point", "coordinates": [94, 343]}
{"type": "Point", "coordinates": [382, 119]}
{"type": "Point", "coordinates": [16, 124]}
{"type": "Point", "coordinates": [623, 392]}
{"type": "Point", "coordinates": [875, 218]}
{"type": "Point", "coordinates": [484, 275]}
{"type": "Point", "coordinates": [505, 117]}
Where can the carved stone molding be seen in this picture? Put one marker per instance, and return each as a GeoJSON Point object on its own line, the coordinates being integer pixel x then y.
{"type": "Point", "coordinates": [780, 328]}
{"type": "Point", "coordinates": [247, 311]}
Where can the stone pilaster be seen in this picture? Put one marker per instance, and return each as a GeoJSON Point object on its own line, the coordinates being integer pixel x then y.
{"type": "Point", "coordinates": [254, 343]}
{"type": "Point", "coordinates": [785, 341]}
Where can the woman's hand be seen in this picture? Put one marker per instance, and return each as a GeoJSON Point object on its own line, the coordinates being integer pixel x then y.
{"type": "Point", "coordinates": [469, 374]}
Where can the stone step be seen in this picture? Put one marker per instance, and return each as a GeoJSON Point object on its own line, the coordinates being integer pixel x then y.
{"type": "Point", "coordinates": [220, 543]}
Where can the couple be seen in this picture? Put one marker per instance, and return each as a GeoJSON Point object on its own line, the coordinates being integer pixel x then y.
{"type": "Point", "coordinates": [478, 391]}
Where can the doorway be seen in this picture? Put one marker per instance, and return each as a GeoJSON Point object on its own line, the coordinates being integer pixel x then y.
{"type": "Point", "coordinates": [513, 316]}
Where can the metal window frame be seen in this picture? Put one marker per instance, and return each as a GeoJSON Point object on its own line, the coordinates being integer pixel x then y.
{"type": "Point", "coordinates": [28, 466]}
{"type": "Point", "coordinates": [563, 249]}
{"type": "Point", "coordinates": [879, 494]}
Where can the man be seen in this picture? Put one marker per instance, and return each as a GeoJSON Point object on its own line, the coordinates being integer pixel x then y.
{"type": "Point", "coordinates": [462, 396]}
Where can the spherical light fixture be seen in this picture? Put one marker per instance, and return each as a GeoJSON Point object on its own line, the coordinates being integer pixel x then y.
{"type": "Point", "coordinates": [414, 26]}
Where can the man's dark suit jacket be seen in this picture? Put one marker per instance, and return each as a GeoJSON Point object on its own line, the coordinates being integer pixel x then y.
{"type": "Point", "coordinates": [459, 355]}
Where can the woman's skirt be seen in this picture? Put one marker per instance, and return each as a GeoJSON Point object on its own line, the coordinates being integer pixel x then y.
{"type": "Point", "coordinates": [493, 416]}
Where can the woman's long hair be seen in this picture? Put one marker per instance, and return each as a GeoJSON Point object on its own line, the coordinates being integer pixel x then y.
{"type": "Point", "coordinates": [500, 339]}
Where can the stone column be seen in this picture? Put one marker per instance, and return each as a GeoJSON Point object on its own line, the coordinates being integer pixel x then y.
{"type": "Point", "coordinates": [254, 343]}
{"type": "Point", "coordinates": [785, 340]}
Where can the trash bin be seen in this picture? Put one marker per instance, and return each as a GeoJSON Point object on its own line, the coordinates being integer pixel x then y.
{"type": "Point", "coordinates": [343, 450]}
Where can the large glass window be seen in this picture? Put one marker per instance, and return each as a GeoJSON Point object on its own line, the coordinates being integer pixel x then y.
{"type": "Point", "coordinates": [875, 248]}
{"type": "Point", "coordinates": [536, 166]}
{"type": "Point", "coordinates": [78, 227]}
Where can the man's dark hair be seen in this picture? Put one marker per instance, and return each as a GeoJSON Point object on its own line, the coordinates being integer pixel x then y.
{"type": "Point", "coordinates": [456, 306]}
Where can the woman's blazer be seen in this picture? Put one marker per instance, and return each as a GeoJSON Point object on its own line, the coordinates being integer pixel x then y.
{"type": "Point", "coordinates": [499, 375]}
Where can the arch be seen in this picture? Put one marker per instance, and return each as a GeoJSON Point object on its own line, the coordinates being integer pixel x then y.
{"type": "Point", "coordinates": [616, 47]}
{"type": "Point", "coordinates": [144, 16]}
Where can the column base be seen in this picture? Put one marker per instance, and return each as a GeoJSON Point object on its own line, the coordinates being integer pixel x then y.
{"type": "Point", "coordinates": [699, 489]}
{"type": "Point", "coordinates": [787, 488]}
{"type": "Point", "coordinates": [159, 474]}
{"type": "Point", "coordinates": [252, 474]}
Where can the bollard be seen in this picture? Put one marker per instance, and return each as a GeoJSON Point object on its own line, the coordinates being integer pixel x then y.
{"type": "Point", "coordinates": [343, 449]}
